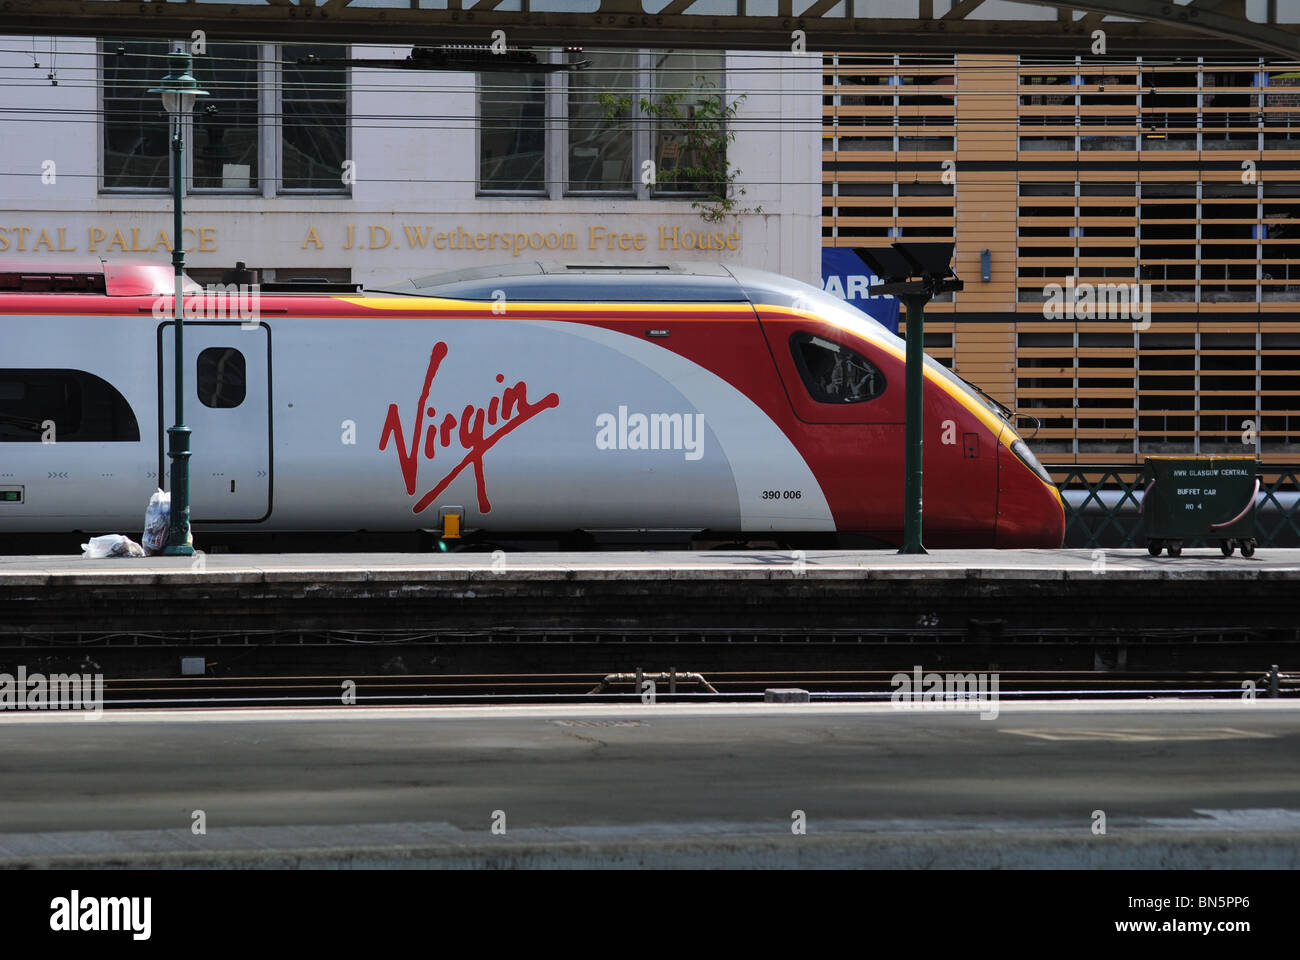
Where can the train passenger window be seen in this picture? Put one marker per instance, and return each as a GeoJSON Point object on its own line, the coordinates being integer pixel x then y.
{"type": "Point", "coordinates": [834, 373]}
{"type": "Point", "coordinates": [57, 406]}
{"type": "Point", "coordinates": [221, 377]}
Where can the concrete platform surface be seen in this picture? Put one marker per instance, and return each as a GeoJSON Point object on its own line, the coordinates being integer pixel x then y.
{"type": "Point", "coordinates": [654, 565]}
{"type": "Point", "coordinates": [1161, 785]}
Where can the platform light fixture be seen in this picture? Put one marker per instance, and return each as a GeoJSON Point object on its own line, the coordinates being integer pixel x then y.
{"type": "Point", "coordinates": [179, 92]}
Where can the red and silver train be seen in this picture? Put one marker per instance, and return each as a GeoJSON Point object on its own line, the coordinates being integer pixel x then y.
{"type": "Point", "coordinates": [700, 399]}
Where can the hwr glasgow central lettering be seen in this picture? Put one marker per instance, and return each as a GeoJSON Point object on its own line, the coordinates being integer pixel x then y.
{"type": "Point", "coordinates": [512, 409]}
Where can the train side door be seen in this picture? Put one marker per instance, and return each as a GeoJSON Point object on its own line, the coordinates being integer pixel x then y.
{"type": "Point", "coordinates": [228, 411]}
{"type": "Point", "coordinates": [830, 377]}
{"type": "Point", "coordinates": [849, 404]}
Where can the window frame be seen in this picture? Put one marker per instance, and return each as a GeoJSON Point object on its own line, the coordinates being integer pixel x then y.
{"type": "Point", "coordinates": [270, 131]}
{"type": "Point", "coordinates": [191, 144]}
{"type": "Point", "coordinates": [101, 141]}
{"type": "Point", "coordinates": [801, 338]}
{"type": "Point", "coordinates": [273, 60]}
{"type": "Point", "coordinates": [82, 378]}
{"type": "Point", "coordinates": [654, 191]}
{"type": "Point", "coordinates": [641, 136]}
{"type": "Point", "coordinates": [198, 378]}
{"type": "Point", "coordinates": [554, 97]}
{"type": "Point", "coordinates": [555, 151]}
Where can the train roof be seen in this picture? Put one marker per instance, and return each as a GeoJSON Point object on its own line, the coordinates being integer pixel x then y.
{"type": "Point", "coordinates": [553, 281]}
{"type": "Point", "coordinates": [577, 283]}
{"type": "Point", "coordinates": [660, 282]}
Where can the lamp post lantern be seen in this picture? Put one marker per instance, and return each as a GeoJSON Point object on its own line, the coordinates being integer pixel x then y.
{"type": "Point", "coordinates": [179, 90]}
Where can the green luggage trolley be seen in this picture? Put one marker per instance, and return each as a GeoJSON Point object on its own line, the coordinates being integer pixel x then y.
{"type": "Point", "coordinates": [1213, 498]}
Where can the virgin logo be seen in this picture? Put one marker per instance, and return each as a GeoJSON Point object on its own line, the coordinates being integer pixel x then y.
{"type": "Point", "coordinates": [510, 410]}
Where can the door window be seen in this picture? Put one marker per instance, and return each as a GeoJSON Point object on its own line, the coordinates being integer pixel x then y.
{"type": "Point", "coordinates": [221, 377]}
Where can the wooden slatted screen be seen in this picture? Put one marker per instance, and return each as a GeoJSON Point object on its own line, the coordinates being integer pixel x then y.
{"type": "Point", "coordinates": [1182, 177]}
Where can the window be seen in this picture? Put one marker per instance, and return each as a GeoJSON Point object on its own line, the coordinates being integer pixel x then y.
{"type": "Point", "coordinates": [225, 122]}
{"type": "Point", "coordinates": [688, 96]}
{"type": "Point", "coordinates": [63, 406]}
{"type": "Point", "coordinates": [602, 101]}
{"type": "Point", "coordinates": [314, 119]}
{"type": "Point", "coordinates": [136, 150]}
{"type": "Point", "coordinates": [512, 142]}
{"type": "Point", "coordinates": [834, 373]}
{"type": "Point", "coordinates": [221, 377]}
{"type": "Point", "coordinates": [590, 131]}
{"type": "Point", "coordinates": [267, 124]}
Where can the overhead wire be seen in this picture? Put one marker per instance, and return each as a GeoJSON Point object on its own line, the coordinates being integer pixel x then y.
{"type": "Point", "coordinates": [829, 66]}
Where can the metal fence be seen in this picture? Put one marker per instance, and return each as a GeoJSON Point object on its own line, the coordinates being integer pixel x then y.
{"type": "Point", "coordinates": [1103, 503]}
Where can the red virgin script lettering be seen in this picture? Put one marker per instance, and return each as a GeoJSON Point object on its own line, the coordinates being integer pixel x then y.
{"type": "Point", "coordinates": [512, 409]}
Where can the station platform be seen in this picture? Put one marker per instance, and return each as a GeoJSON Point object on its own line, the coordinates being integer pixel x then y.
{"type": "Point", "coordinates": [835, 608]}
{"type": "Point", "coordinates": [501, 566]}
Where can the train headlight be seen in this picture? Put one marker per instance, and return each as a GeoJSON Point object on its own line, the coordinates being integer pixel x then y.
{"type": "Point", "coordinates": [1021, 450]}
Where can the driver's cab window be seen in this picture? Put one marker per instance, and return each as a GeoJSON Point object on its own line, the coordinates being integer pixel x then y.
{"type": "Point", "coordinates": [833, 373]}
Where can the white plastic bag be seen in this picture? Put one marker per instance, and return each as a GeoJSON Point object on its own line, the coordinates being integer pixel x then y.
{"type": "Point", "coordinates": [157, 520]}
{"type": "Point", "coordinates": [155, 523]}
{"type": "Point", "coordinates": [111, 545]}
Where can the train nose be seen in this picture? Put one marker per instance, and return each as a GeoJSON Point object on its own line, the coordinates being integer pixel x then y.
{"type": "Point", "coordinates": [1030, 510]}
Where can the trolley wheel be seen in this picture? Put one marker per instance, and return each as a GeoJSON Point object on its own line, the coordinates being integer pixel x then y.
{"type": "Point", "coordinates": [1175, 548]}
{"type": "Point", "coordinates": [1154, 547]}
{"type": "Point", "coordinates": [1247, 548]}
{"type": "Point", "coordinates": [1227, 546]}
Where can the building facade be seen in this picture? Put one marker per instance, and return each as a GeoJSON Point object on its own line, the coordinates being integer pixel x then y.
{"type": "Point", "coordinates": [318, 161]}
{"type": "Point", "coordinates": [1071, 188]}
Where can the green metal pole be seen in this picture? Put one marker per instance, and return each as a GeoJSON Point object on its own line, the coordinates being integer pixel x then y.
{"type": "Point", "coordinates": [178, 436]}
{"type": "Point", "coordinates": [913, 428]}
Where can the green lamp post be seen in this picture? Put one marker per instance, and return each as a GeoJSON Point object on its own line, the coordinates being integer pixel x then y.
{"type": "Point", "coordinates": [179, 90]}
{"type": "Point", "coordinates": [915, 273]}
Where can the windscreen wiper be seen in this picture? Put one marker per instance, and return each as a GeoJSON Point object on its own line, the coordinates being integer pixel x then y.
{"type": "Point", "coordinates": [1007, 412]}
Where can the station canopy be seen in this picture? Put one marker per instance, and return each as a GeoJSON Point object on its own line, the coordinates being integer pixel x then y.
{"type": "Point", "coordinates": [1131, 27]}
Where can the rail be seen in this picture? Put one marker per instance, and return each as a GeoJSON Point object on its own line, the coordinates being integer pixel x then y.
{"type": "Point", "coordinates": [1231, 682]}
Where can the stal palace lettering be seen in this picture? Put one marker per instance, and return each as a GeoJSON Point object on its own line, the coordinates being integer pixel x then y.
{"type": "Point", "coordinates": [29, 239]}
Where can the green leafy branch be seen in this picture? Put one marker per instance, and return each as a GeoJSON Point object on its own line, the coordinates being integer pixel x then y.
{"type": "Point", "coordinates": [702, 124]}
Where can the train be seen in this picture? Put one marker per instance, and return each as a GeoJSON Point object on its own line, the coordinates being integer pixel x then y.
{"type": "Point", "coordinates": [703, 400]}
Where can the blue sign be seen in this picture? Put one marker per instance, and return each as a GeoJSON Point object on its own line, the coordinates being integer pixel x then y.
{"type": "Point", "coordinates": [846, 277]}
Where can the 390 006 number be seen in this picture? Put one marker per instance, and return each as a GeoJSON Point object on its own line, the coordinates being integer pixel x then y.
{"type": "Point", "coordinates": [782, 494]}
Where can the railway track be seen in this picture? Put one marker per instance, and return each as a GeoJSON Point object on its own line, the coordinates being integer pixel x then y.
{"type": "Point", "coordinates": [503, 688]}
